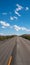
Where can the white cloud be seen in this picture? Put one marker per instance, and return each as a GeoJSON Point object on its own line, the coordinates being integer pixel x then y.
{"type": "Point", "coordinates": [4, 24]}
{"type": "Point", "coordinates": [17, 13]}
{"type": "Point", "coordinates": [15, 17]}
{"type": "Point", "coordinates": [12, 18]}
{"type": "Point", "coordinates": [4, 13]}
{"type": "Point", "coordinates": [17, 28]}
{"type": "Point", "coordinates": [24, 28]}
{"type": "Point", "coordinates": [27, 8]}
{"type": "Point", "coordinates": [19, 7]}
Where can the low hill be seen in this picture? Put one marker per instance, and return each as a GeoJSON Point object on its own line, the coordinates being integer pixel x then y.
{"type": "Point", "coordinates": [6, 37]}
{"type": "Point", "coordinates": [26, 36]}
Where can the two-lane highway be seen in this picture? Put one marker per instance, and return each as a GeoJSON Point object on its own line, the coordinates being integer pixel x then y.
{"type": "Point", "coordinates": [22, 55]}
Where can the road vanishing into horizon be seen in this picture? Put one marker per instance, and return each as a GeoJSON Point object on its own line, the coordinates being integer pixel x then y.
{"type": "Point", "coordinates": [21, 52]}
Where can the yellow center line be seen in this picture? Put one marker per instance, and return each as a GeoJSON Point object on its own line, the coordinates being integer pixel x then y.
{"type": "Point", "coordinates": [10, 60]}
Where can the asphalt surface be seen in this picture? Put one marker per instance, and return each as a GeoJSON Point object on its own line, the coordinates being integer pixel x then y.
{"type": "Point", "coordinates": [22, 51]}
{"type": "Point", "coordinates": [6, 48]}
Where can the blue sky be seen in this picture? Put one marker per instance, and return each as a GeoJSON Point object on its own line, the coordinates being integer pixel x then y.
{"type": "Point", "coordinates": [14, 17]}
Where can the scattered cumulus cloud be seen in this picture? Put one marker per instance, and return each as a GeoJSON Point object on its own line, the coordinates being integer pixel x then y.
{"type": "Point", "coordinates": [17, 13]}
{"type": "Point", "coordinates": [14, 17]}
{"type": "Point", "coordinates": [19, 7]}
{"type": "Point", "coordinates": [11, 18]}
{"type": "Point", "coordinates": [4, 24]}
{"type": "Point", "coordinates": [27, 8]}
{"type": "Point", "coordinates": [25, 29]}
{"type": "Point", "coordinates": [17, 28]}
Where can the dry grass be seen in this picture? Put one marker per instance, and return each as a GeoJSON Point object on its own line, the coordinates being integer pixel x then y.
{"type": "Point", "coordinates": [6, 37]}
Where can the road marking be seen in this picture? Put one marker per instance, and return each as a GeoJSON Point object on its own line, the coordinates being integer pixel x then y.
{"type": "Point", "coordinates": [10, 60]}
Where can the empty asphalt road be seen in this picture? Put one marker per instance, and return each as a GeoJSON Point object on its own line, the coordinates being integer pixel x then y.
{"type": "Point", "coordinates": [22, 51]}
